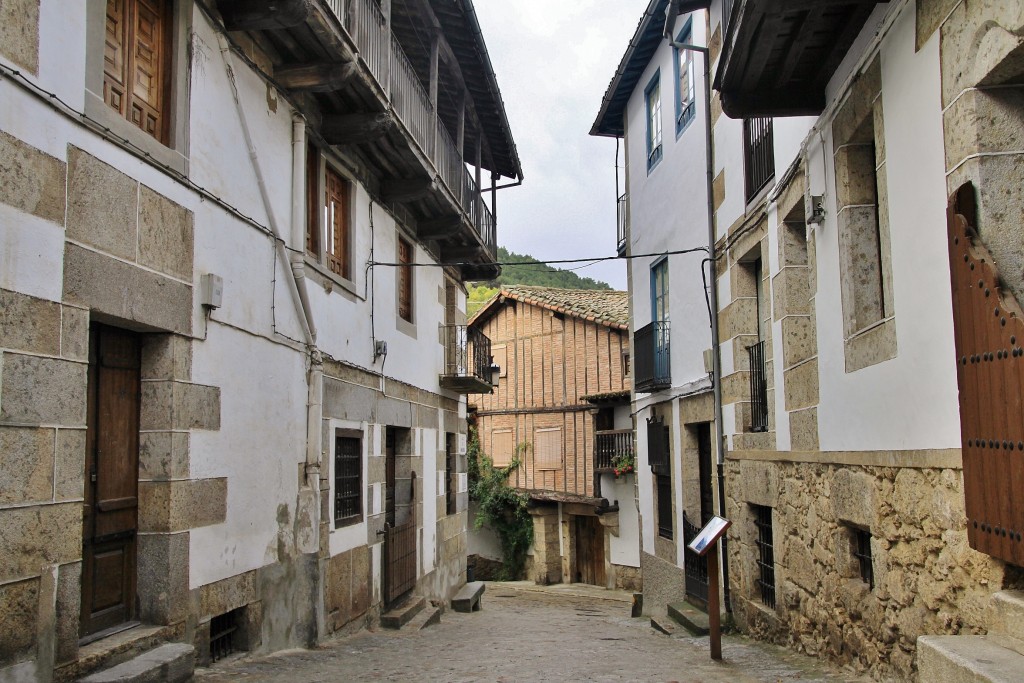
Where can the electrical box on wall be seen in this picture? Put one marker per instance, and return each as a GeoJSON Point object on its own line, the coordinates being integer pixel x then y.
{"type": "Point", "coordinates": [709, 361]}
{"type": "Point", "coordinates": [211, 290]}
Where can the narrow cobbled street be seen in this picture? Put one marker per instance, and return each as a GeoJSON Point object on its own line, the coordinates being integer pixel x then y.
{"type": "Point", "coordinates": [528, 633]}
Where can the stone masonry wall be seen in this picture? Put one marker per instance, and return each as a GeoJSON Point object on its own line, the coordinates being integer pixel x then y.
{"type": "Point", "coordinates": [926, 578]}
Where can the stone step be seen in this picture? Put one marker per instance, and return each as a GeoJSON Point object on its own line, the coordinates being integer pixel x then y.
{"type": "Point", "coordinates": [663, 624]}
{"type": "Point", "coordinates": [398, 617]}
{"type": "Point", "coordinates": [427, 617]}
{"type": "Point", "coordinates": [469, 598]}
{"type": "Point", "coordinates": [967, 659]}
{"type": "Point", "coordinates": [170, 663]}
{"type": "Point", "coordinates": [690, 618]}
{"type": "Point", "coordinates": [1006, 614]}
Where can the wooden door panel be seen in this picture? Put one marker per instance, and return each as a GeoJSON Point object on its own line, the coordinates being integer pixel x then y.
{"type": "Point", "coordinates": [989, 339]}
{"type": "Point", "coordinates": [111, 471]}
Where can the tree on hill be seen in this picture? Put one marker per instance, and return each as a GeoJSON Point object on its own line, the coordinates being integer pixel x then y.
{"type": "Point", "coordinates": [531, 272]}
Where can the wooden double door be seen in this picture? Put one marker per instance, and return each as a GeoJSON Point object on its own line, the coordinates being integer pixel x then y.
{"type": "Point", "coordinates": [110, 514]}
{"type": "Point", "coordinates": [589, 550]}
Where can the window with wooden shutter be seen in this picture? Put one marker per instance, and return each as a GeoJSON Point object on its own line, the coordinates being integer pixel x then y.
{"type": "Point", "coordinates": [312, 205]}
{"type": "Point", "coordinates": [547, 448]}
{"type": "Point", "coordinates": [336, 223]}
{"type": "Point", "coordinates": [137, 63]}
{"type": "Point", "coordinates": [502, 447]}
{"type": "Point", "coordinates": [404, 279]}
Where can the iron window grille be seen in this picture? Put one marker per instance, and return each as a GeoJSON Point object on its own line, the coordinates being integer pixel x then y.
{"type": "Point", "coordinates": [765, 554]}
{"type": "Point", "coordinates": [348, 471]}
{"type": "Point", "coordinates": [685, 99]}
{"type": "Point", "coordinates": [758, 388]}
{"type": "Point", "coordinates": [862, 552]}
{"type": "Point", "coordinates": [758, 154]}
{"type": "Point", "coordinates": [664, 485]}
{"type": "Point", "coordinates": [223, 632]}
{"type": "Point", "coordinates": [658, 451]}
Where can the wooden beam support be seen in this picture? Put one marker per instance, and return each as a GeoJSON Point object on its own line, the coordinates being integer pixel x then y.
{"type": "Point", "coordinates": [439, 228]}
{"type": "Point", "coordinates": [317, 77]}
{"type": "Point", "coordinates": [407, 189]}
{"type": "Point", "coordinates": [353, 129]}
{"type": "Point", "coordinates": [261, 15]}
{"type": "Point", "coordinates": [462, 253]}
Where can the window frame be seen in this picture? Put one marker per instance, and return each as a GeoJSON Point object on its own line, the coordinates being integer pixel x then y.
{"type": "Point", "coordinates": [405, 279]}
{"type": "Point", "coordinates": [653, 124]}
{"type": "Point", "coordinates": [340, 522]}
{"type": "Point", "coordinates": [660, 291]}
{"type": "Point", "coordinates": [318, 163]}
{"type": "Point", "coordinates": [173, 151]}
{"type": "Point", "coordinates": [684, 115]}
{"type": "Point", "coordinates": [548, 464]}
{"type": "Point", "coordinates": [512, 447]}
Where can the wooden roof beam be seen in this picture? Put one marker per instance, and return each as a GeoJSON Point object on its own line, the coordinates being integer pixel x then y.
{"type": "Point", "coordinates": [352, 129]}
{"type": "Point", "coordinates": [316, 77]}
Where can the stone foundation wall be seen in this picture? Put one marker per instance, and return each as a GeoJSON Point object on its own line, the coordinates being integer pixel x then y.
{"type": "Point", "coordinates": [663, 582]}
{"type": "Point", "coordinates": [627, 578]}
{"type": "Point", "coordinates": [926, 578]}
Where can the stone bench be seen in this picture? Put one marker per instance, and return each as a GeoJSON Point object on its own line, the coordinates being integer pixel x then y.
{"type": "Point", "coordinates": [468, 597]}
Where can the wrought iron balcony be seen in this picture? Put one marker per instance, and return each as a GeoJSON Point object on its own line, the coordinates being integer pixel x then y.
{"type": "Point", "coordinates": [467, 360]}
{"type": "Point", "coordinates": [612, 447]}
{"type": "Point", "coordinates": [652, 366]}
{"type": "Point", "coordinates": [758, 388]}
{"type": "Point", "coordinates": [623, 221]}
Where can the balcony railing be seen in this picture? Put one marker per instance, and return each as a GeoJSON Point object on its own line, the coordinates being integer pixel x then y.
{"type": "Point", "coordinates": [623, 221]}
{"type": "Point", "coordinates": [611, 446]}
{"type": "Point", "coordinates": [467, 360]}
{"type": "Point", "coordinates": [758, 154]}
{"type": "Point", "coordinates": [758, 388]}
{"type": "Point", "coordinates": [651, 357]}
{"type": "Point", "coordinates": [384, 58]}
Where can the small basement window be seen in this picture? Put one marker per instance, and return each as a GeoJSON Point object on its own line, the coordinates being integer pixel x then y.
{"type": "Point", "coordinates": [862, 553]}
{"type": "Point", "coordinates": [224, 634]}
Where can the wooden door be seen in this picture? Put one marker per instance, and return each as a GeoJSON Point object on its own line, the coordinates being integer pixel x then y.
{"type": "Point", "coordinates": [110, 514]}
{"type": "Point", "coordinates": [389, 476]}
{"type": "Point", "coordinates": [589, 550]}
{"type": "Point", "coordinates": [707, 500]}
{"type": "Point", "coordinates": [989, 338]}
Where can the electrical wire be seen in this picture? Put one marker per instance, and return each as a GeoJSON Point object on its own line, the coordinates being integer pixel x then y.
{"type": "Point", "coordinates": [588, 261]}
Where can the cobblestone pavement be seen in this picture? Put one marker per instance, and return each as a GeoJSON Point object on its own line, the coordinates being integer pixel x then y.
{"type": "Point", "coordinates": [528, 633]}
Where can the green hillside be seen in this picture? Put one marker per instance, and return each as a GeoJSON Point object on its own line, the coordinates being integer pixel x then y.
{"type": "Point", "coordinates": [539, 275]}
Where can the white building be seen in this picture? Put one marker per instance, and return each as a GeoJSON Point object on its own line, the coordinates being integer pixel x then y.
{"type": "Point", "coordinates": [265, 430]}
{"type": "Point", "coordinates": [654, 104]}
{"type": "Point", "coordinates": [871, 399]}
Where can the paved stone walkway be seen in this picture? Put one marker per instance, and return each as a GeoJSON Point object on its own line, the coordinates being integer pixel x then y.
{"type": "Point", "coordinates": [528, 633]}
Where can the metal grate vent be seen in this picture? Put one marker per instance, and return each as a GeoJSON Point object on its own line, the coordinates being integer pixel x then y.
{"type": "Point", "coordinates": [223, 632]}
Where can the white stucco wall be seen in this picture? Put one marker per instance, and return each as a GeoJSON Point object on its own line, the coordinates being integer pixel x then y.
{"type": "Point", "coordinates": [625, 548]}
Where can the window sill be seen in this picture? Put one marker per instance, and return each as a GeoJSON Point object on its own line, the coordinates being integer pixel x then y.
{"type": "Point", "coordinates": [123, 130]}
{"type": "Point", "coordinates": [405, 327]}
{"type": "Point", "coordinates": [348, 287]}
{"type": "Point", "coordinates": [681, 127]}
{"type": "Point", "coordinates": [651, 165]}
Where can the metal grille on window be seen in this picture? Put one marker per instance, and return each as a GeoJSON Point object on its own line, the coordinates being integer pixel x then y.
{"type": "Point", "coordinates": [759, 154]}
{"type": "Point", "coordinates": [765, 554]}
{"type": "Point", "coordinates": [347, 480]}
{"type": "Point", "coordinates": [664, 484]}
{"type": "Point", "coordinates": [223, 630]}
{"type": "Point", "coordinates": [404, 280]}
{"type": "Point", "coordinates": [758, 388]}
{"type": "Point", "coordinates": [862, 551]}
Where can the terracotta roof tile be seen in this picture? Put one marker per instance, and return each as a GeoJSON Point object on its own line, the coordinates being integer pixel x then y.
{"type": "Point", "coordinates": [605, 307]}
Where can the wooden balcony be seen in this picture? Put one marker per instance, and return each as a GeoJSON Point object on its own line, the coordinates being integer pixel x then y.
{"type": "Point", "coordinates": [467, 360]}
{"type": "Point", "coordinates": [651, 349]}
{"type": "Point", "coordinates": [404, 90]}
{"type": "Point", "coordinates": [611, 446]}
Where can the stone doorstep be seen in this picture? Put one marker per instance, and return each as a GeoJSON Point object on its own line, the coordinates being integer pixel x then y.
{"type": "Point", "coordinates": [115, 649]}
{"type": "Point", "coordinates": [1007, 614]}
{"type": "Point", "coordinates": [690, 618]}
{"type": "Point", "coordinates": [170, 663]}
{"type": "Point", "coordinates": [469, 598]}
{"type": "Point", "coordinates": [663, 624]}
{"type": "Point", "coordinates": [398, 617]}
{"type": "Point", "coordinates": [426, 618]}
{"type": "Point", "coordinates": [966, 659]}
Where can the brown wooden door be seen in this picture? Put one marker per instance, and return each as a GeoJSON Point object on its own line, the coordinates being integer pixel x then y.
{"type": "Point", "coordinates": [110, 514]}
{"type": "Point", "coordinates": [589, 550]}
{"type": "Point", "coordinates": [989, 339]}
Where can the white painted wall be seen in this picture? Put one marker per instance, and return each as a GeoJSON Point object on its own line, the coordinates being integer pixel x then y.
{"type": "Point", "coordinates": [625, 548]}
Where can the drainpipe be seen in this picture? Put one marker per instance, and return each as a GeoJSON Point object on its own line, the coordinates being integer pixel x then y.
{"type": "Point", "coordinates": [713, 294]}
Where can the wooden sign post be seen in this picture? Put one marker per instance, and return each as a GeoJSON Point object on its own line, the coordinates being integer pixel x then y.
{"type": "Point", "coordinates": [706, 543]}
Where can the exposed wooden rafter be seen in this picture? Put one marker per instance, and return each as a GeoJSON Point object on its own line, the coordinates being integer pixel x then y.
{"type": "Point", "coordinates": [407, 189]}
{"type": "Point", "coordinates": [316, 77]}
{"type": "Point", "coordinates": [352, 129]}
{"type": "Point", "coordinates": [261, 15]}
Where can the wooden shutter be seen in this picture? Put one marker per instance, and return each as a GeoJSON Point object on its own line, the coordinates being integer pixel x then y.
{"type": "Point", "coordinates": [336, 223]}
{"type": "Point", "coordinates": [501, 447]}
{"type": "Point", "coordinates": [547, 448]}
{"type": "Point", "coordinates": [989, 339]}
{"type": "Point", "coordinates": [136, 63]}
{"type": "Point", "coordinates": [404, 280]}
{"type": "Point", "coordinates": [312, 205]}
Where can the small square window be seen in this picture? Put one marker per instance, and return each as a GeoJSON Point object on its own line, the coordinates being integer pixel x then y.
{"type": "Point", "coordinates": [765, 554]}
{"type": "Point", "coordinates": [348, 480]}
{"type": "Point", "coordinates": [861, 542]}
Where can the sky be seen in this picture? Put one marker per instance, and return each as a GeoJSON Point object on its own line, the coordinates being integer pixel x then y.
{"type": "Point", "coordinates": [554, 60]}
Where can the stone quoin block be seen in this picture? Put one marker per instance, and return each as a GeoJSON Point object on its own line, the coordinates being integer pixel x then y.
{"type": "Point", "coordinates": [33, 181]}
{"type": "Point", "coordinates": [70, 456]}
{"type": "Point", "coordinates": [31, 537]}
{"type": "Point", "coordinates": [163, 577]}
{"type": "Point", "coordinates": [163, 455]}
{"type": "Point", "coordinates": [801, 385]}
{"type": "Point", "coordinates": [167, 506]}
{"type": "Point", "coordinates": [29, 324]}
{"type": "Point", "coordinates": [19, 33]}
{"type": "Point", "coordinates": [102, 205]}
{"type": "Point", "coordinates": [26, 464]}
{"type": "Point", "coordinates": [167, 356]}
{"type": "Point", "coordinates": [19, 605]}
{"type": "Point", "coordinates": [799, 339]}
{"type": "Point", "coordinates": [42, 391]}
{"type": "Point", "coordinates": [74, 333]}
{"type": "Point", "coordinates": [165, 235]}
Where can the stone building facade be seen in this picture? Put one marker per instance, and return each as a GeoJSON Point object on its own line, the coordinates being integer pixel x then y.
{"type": "Point", "coordinates": [201, 431]}
{"type": "Point", "coordinates": [561, 407]}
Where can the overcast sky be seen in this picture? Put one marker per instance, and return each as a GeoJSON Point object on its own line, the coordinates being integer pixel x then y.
{"type": "Point", "coordinates": [554, 60]}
